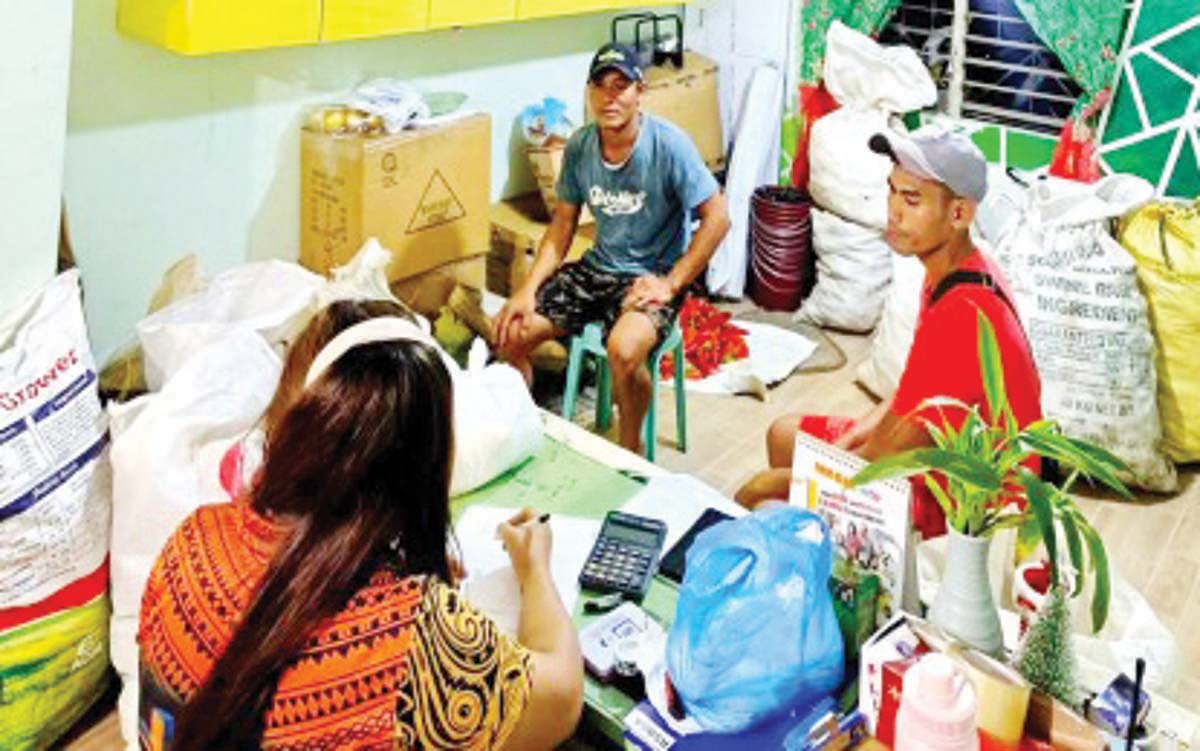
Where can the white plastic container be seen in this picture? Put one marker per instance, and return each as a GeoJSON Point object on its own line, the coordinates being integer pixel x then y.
{"type": "Point", "coordinates": [937, 709]}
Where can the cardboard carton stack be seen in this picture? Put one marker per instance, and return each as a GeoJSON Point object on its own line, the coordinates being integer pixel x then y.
{"type": "Point", "coordinates": [688, 97]}
{"type": "Point", "coordinates": [517, 229]}
{"type": "Point", "coordinates": [423, 193]}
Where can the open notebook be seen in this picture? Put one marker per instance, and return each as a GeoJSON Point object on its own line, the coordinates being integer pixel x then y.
{"type": "Point", "coordinates": [491, 584]}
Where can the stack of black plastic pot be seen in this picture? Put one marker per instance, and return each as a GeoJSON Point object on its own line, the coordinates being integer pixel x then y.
{"type": "Point", "coordinates": [782, 264]}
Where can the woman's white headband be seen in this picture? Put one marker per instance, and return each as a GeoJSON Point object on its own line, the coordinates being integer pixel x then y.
{"type": "Point", "coordinates": [385, 329]}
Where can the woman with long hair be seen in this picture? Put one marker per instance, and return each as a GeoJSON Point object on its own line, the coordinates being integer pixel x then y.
{"type": "Point", "coordinates": [241, 463]}
{"type": "Point", "coordinates": [315, 611]}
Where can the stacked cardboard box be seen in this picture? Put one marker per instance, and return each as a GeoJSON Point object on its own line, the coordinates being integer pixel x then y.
{"type": "Point", "coordinates": [546, 164]}
{"type": "Point", "coordinates": [517, 229]}
{"type": "Point", "coordinates": [688, 97]}
{"type": "Point", "coordinates": [423, 193]}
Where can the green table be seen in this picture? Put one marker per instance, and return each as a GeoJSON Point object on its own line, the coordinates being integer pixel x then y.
{"type": "Point", "coordinates": [561, 480]}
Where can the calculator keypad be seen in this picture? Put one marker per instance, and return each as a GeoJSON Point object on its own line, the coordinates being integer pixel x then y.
{"type": "Point", "coordinates": [614, 566]}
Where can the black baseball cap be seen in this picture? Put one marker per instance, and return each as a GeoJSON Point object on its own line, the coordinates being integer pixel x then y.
{"type": "Point", "coordinates": [616, 56]}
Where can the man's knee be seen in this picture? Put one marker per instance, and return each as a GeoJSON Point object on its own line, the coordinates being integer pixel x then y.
{"type": "Point", "coordinates": [514, 348]}
{"type": "Point", "coordinates": [783, 430]}
{"type": "Point", "coordinates": [521, 341]}
{"type": "Point", "coordinates": [781, 436]}
{"type": "Point", "coordinates": [626, 352]}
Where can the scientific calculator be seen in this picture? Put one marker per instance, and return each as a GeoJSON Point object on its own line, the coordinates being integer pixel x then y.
{"type": "Point", "coordinates": [625, 556]}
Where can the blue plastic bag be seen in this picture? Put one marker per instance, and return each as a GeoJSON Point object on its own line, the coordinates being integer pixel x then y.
{"type": "Point", "coordinates": [543, 122]}
{"type": "Point", "coordinates": [754, 631]}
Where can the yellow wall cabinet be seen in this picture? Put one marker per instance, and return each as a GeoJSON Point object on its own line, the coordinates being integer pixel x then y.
{"type": "Point", "coordinates": [360, 19]}
{"type": "Point", "coordinates": [446, 13]}
{"type": "Point", "coordinates": [527, 9]}
{"type": "Point", "coordinates": [202, 27]}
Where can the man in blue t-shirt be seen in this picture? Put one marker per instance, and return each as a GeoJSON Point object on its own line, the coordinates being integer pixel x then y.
{"type": "Point", "coordinates": [642, 177]}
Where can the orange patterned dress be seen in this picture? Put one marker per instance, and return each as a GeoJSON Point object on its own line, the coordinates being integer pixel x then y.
{"type": "Point", "coordinates": [407, 664]}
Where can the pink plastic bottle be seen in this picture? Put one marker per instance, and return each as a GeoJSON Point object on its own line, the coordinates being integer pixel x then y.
{"type": "Point", "coordinates": [937, 708]}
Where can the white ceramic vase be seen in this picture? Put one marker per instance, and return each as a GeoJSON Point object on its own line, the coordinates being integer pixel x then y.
{"type": "Point", "coordinates": [964, 607]}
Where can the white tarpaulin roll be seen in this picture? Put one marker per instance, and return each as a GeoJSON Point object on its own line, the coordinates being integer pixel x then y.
{"type": "Point", "coordinates": [756, 137]}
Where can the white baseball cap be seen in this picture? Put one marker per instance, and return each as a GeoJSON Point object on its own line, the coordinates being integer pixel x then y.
{"type": "Point", "coordinates": [937, 154]}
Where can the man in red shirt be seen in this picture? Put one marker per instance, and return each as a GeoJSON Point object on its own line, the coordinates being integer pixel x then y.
{"type": "Point", "coordinates": [938, 181]}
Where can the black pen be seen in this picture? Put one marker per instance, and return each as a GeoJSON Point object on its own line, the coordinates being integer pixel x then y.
{"type": "Point", "coordinates": [604, 603]}
{"type": "Point", "coordinates": [541, 520]}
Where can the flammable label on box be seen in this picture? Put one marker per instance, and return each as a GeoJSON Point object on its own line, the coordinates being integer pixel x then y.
{"type": "Point", "coordinates": [438, 205]}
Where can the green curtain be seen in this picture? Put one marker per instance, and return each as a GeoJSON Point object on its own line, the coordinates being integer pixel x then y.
{"type": "Point", "coordinates": [1085, 34]}
{"type": "Point", "coordinates": [816, 16]}
{"type": "Point", "coordinates": [1149, 148]}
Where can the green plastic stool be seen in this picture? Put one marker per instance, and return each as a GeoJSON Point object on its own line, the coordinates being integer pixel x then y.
{"type": "Point", "coordinates": [591, 342]}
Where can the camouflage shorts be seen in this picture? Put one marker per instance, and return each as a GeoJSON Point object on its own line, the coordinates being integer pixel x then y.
{"type": "Point", "coordinates": [578, 294]}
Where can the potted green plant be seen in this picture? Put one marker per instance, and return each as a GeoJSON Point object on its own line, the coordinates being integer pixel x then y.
{"type": "Point", "coordinates": [982, 463]}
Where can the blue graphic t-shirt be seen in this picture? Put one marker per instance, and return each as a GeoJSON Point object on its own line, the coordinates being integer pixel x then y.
{"type": "Point", "coordinates": [642, 207]}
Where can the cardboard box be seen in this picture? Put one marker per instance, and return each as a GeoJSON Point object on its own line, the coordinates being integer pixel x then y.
{"type": "Point", "coordinates": [688, 97]}
{"type": "Point", "coordinates": [1052, 721]}
{"type": "Point", "coordinates": [545, 162]}
{"type": "Point", "coordinates": [426, 293]}
{"type": "Point", "coordinates": [893, 690]}
{"type": "Point", "coordinates": [895, 641]}
{"type": "Point", "coordinates": [517, 229]}
{"type": "Point", "coordinates": [423, 193]}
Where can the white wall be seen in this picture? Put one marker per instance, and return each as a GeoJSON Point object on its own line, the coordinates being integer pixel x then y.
{"type": "Point", "coordinates": [35, 51]}
{"type": "Point", "coordinates": [168, 155]}
{"type": "Point", "coordinates": [740, 35]}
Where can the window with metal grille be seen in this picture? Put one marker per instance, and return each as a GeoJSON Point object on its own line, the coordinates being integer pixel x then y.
{"type": "Point", "coordinates": [1010, 77]}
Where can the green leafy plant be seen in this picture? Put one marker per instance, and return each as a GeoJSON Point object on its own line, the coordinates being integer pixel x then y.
{"type": "Point", "coordinates": [982, 462]}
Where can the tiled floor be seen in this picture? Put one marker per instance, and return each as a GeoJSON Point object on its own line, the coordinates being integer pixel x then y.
{"type": "Point", "coordinates": [1156, 544]}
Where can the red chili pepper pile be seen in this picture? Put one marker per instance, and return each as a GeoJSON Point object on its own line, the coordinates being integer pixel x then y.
{"type": "Point", "coordinates": [709, 340]}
